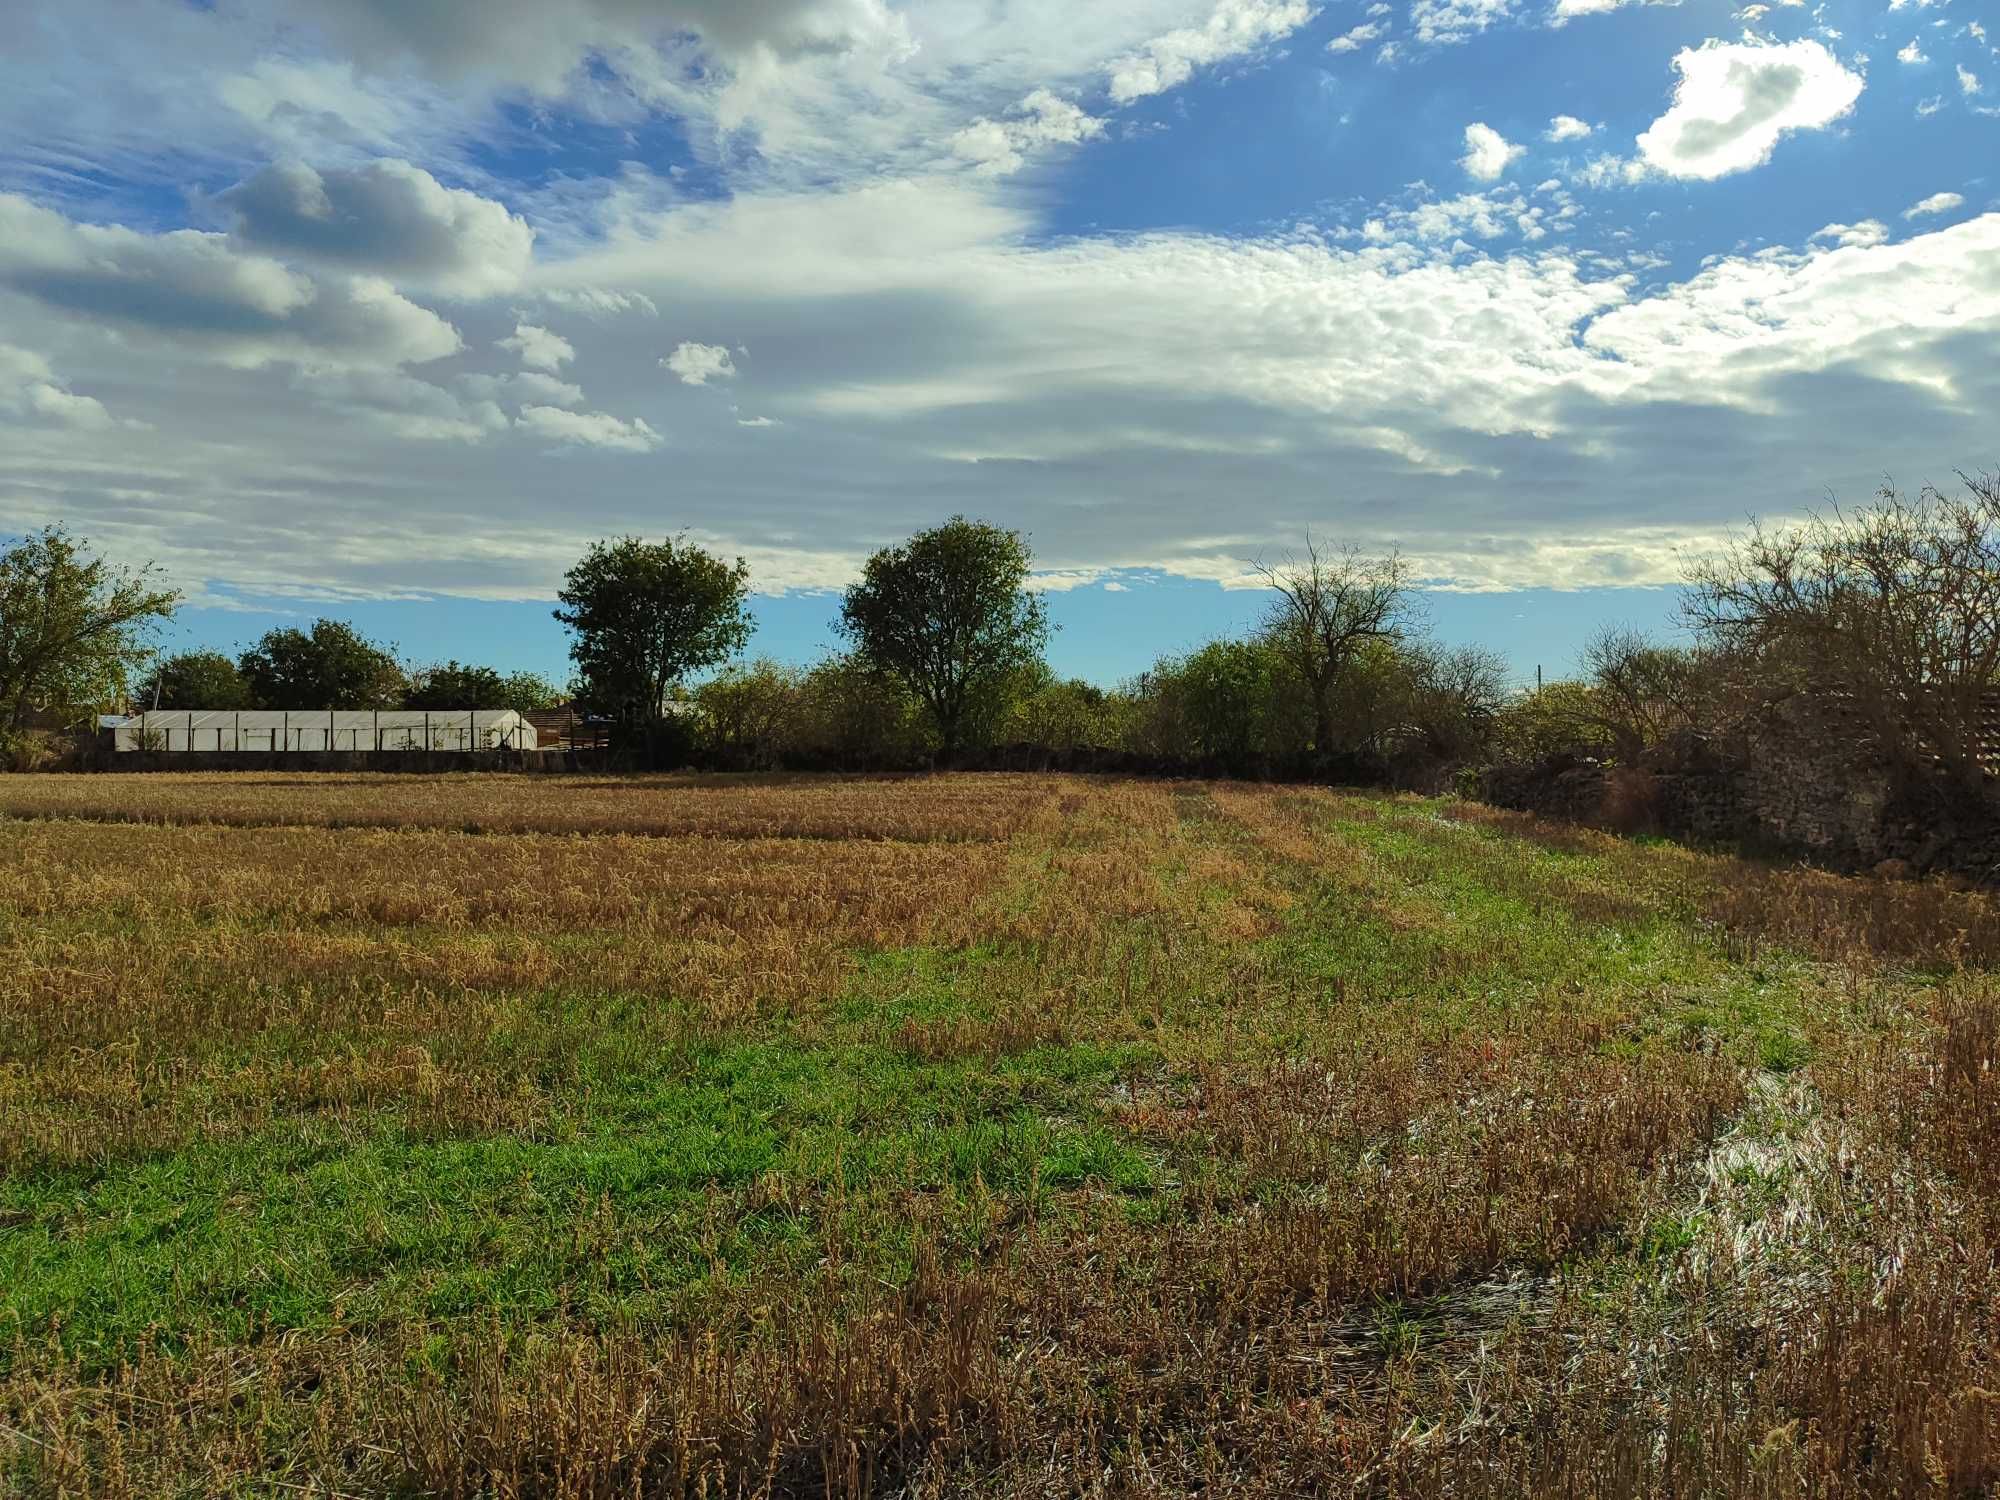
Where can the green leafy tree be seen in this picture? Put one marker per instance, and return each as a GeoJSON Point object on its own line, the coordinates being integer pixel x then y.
{"type": "Point", "coordinates": [948, 613]}
{"type": "Point", "coordinates": [1235, 692]}
{"type": "Point", "coordinates": [1067, 715]}
{"type": "Point", "coordinates": [857, 714]}
{"type": "Point", "coordinates": [330, 666]}
{"type": "Point", "coordinates": [457, 685]}
{"type": "Point", "coordinates": [72, 627]}
{"type": "Point", "coordinates": [751, 716]}
{"type": "Point", "coordinates": [525, 692]}
{"type": "Point", "coordinates": [643, 615]}
{"type": "Point", "coordinates": [196, 680]}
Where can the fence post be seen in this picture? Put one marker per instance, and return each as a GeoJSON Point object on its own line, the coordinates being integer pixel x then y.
{"type": "Point", "coordinates": [288, 731]}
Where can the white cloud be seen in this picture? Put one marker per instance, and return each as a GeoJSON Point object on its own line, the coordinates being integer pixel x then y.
{"type": "Point", "coordinates": [601, 302]}
{"type": "Point", "coordinates": [401, 405]}
{"type": "Point", "coordinates": [1593, 422]}
{"type": "Point", "coordinates": [384, 218]}
{"type": "Point", "coordinates": [1567, 128]}
{"type": "Point", "coordinates": [1235, 28]}
{"type": "Point", "coordinates": [1864, 234]}
{"type": "Point", "coordinates": [1487, 152]}
{"type": "Point", "coordinates": [1609, 170]}
{"type": "Point", "coordinates": [957, 341]}
{"type": "Point", "coordinates": [588, 429]}
{"type": "Point", "coordinates": [1928, 107]}
{"type": "Point", "coordinates": [31, 391]}
{"type": "Point", "coordinates": [1044, 118]}
{"type": "Point", "coordinates": [538, 348]}
{"type": "Point", "coordinates": [1445, 21]}
{"type": "Point", "coordinates": [1486, 215]}
{"type": "Point", "coordinates": [1354, 40]}
{"type": "Point", "coordinates": [1567, 9]}
{"type": "Point", "coordinates": [1735, 99]}
{"type": "Point", "coordinates": [697, 364]}
{"type": "Point", "coordinates": [539, 43]}
{"type": "Point", "coordinates": [524, 387]}
{"type": "Point", "coordinates": [1937, 203]}
{"type": "Point", "coordinates": [199, 293]}
{"type": "Point", "coordinates": [1968, 81]}
{"type": "Point", "coordinates": [1913, 53]}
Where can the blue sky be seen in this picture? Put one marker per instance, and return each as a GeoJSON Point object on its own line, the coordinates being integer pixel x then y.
{"type": "Point", "coordinates": [1105, 636]}
{"type": "Point", "coordinates": [386, 310]}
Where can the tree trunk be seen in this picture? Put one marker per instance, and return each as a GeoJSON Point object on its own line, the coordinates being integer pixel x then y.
{"type": "Point", "coordinates": [1323, 722]}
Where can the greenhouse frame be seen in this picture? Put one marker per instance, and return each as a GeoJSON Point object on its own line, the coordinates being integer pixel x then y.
{"type": "Point", "coordinates": [265, 730]}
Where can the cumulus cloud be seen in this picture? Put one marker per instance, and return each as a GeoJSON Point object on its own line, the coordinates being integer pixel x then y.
{"type": "Point", "coordinates": [401, 405]}
{"type": "Point", "coordinates": [539, 43]}
{"type": "Point", "coordinates": [1442, 22]}
{"type": "Point", "coordinates": [956, 342]}
{"type": "Point", "coordinates": [1566, 9]}
{"type": "Point", "coordinates": [1937, 203]}
{"type": "Point", "coordinates": [1736, 99]}
{"type": "Point", "coordinates": [1968, 81]}
{"type": "Point", "coordinates": [1487, 152]}
{"type": "Point", "coordinates": [200, 292]}
{"type": "Point", "coordinates": [588, 429]}
{"type": "Point", "coordinates": [1486, 215]}
{"type": "Point", "coordinates": [1357, 38]}
{"type": "Point", "coordinates": [31, 391]}
{"type": "Point", "coordinates": [1233, 29]}
{"type": "Point", "coordinates": [1044, 118]}
{"type": "Point", "coordinates": [1913, 53]}
{"type": "Point", "coordinates": [385, 218]}
{"type": "Point", "coordinates": [697, 364]}
{"type": "Point", "coordinates": [1867, 232]}
{"type": "Point", "coordinates": [1102, 392]}
{"type": "Point", "coordinates": [1567, 128]}
{"type": "Point", "coordinates": [537, 347]}
{"type": "Point", "coordinates": [601, 302]}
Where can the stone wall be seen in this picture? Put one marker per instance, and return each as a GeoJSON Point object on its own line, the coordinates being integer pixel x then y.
{"type": "Point", "coordinates": [1818, 790]}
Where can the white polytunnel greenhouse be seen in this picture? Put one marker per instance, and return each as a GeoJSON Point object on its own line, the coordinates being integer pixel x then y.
{"type": "Point", "coordinates": [464, 729]}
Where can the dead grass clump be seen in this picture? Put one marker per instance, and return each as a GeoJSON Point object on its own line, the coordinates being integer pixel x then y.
{"type": "Point", "coordinates": [1843, 918]}
{"type": "Point", "coordinates": [1632, 801]}
{"type": "Point", "coordinates": [846, 1408]}
{"type": "Point", "coordinates": [915, 808]}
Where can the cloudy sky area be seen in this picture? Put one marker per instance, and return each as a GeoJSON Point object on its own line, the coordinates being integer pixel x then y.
{"type": "Point", "coordinates": [385, 308]}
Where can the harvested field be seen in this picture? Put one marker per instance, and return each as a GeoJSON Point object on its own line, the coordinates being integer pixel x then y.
{"type": "Point", "coordinates": [974, 1135]}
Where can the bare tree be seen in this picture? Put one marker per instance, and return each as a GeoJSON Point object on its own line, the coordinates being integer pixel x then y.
{"type": "Point", "coordinates": [1891, 612]}
{"type": "Point", "coordinates": [1456, 696]}
{"type": "Point", "coordinates": [1329, 606]}
{"type": "Point", "coordinates": [1641, 691]}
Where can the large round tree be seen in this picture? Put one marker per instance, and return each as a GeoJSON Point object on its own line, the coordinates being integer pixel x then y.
{"type": "Point", "coordinates": [948, 612]}
{"type": "Point", "coordinates": [643, 615]}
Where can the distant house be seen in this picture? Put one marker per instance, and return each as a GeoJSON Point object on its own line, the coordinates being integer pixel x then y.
{"type": "Point", "coordinates": [465, 730]}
